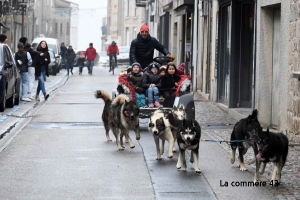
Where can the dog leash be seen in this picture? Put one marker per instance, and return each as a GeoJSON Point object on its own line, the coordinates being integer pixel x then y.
{"type": "Point", "coordinates": [226, 141]}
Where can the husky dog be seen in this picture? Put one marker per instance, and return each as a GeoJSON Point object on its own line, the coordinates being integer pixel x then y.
{"type": "Point", "coordinates": [245, 129]}
{"type": "Point", "coordinates": [120, 115]}
{"type": "Point", "coordinates": [272, 147]}
{"type": "Point", "coordinates": [175, 117]}
{"type": "Point", "coordinates": [159, 126]}
{"type": "Point", "coordinates": [188, 137]}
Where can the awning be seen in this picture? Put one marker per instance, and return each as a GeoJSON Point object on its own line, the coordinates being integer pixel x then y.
{"type": "Point", "coordinates": [4, 26]}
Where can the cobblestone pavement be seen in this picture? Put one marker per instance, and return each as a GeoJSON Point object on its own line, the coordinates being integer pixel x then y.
{"type": "Point", "coordinates": [218, 125]}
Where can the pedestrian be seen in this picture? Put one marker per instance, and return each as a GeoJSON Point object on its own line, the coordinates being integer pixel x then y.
{"type": "Point", "coordinates": [31, 68]}
{"type": "Point", "coordinates": [80, 61]}
{"type": "Point", "coordinates": [63, 50]}
{"type": "Point", "coordinates": [3, 39]}
{"type": "Point", "coordinates": [151, 82]}
{"type": "Point", "coordinates": [112, 51]}
{"type": "Point", "coordinates": [169, 82]}
{"type": "Point", "coordinates": [135, 79]}
{"type": "Point", "coordinates": [23, 60]}
{"type": "Point", "coordinates": [142, 48]}
{"type": "Point", "coordinates": [23, 40]}
{"type": "Point", "coordinates": [70, 56]}
{"type": "Point", "coordinates": [41, 69]}
{"type": "Point", "coordinates": [90, 55]}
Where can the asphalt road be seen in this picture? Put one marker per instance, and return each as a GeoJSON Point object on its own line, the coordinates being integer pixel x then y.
{"type": "Point", "coordinates": [62, 153]}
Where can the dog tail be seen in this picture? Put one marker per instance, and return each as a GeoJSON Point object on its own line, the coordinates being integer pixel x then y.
{"type": "Point", "coordinates": [100, 94]}
{"type": "Point", "coordinates": [120, 99]}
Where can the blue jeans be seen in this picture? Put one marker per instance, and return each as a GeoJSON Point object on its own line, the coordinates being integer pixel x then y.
{"type": "Point", "coordinates": [63, 61]}
{"type": "Point", "coordinates": [41, 82]}
{"type": "Point", "coordinates": [140, 100]}
{"type": "Point", "coordinates": [90, 64]}
{"type": "Point", "coordinates": [24, 84]}
{"type": "Point", "coordinates": [70, 66]}
{"type": "Point", "coordinates": [152, 94]}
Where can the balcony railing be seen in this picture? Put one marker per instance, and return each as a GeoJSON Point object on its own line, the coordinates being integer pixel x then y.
{"type": "Point", "coordinates": [179, 3]}
{"type": "Point", "coordinates": [167, 2]}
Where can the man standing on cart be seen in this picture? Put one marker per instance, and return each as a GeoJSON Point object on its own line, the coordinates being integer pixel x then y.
{"type": "Point", "coordinates": [142, 48]}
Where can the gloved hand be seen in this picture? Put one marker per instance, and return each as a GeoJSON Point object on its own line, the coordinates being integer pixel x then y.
{"type": "Point", "coordinates": [171, 57]}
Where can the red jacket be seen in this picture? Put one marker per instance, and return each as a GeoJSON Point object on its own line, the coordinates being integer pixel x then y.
{"type": "Point", "coordinates": [90, 53]}
{"type": "Point", "coordinates": [112, 49]}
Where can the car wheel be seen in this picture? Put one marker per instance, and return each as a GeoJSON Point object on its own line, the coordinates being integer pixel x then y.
{"type": "Point", "coordinates": [17, 96]}
{"type": "Point", "coordinates": [11, 100]}
{"type": "Point", "coordinates": [54, 70]}
{"type": "Point", "coordinates": [2, 104]}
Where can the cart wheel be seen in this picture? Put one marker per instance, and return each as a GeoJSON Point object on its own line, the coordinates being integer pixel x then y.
{"type": "Point", "coordinates": [114, 94]}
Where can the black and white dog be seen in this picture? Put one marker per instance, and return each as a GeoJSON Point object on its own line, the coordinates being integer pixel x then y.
{"type": "Point", "coordinates": [160, 128]}
{"type": "Point", "coordinates": [188, 138]}
{"type": "Point", "coordinates": [120, 115]}
{"type": "Point", "coordinates": [272, 147]}
{"type": "Point", "coordinates": [244, 130]}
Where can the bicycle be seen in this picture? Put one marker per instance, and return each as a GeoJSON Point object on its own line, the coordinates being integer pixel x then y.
{"type": "Point", "coordinates": [113, 63]}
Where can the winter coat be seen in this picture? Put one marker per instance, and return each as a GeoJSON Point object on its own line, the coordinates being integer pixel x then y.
{"type": "Point", "coordinates": [112, 49]}
{"type": "Point", "coordinates": [168, 81]}
{"type": "Point", "coordinates": [142, 50]}
{"type": "Point", "coordinates": [136, 81]}
{"type": "Point", "coordinates": [63, 50]}
{"type": "Point", "coordinates": [70, 55]}
{"type": "Point", "coordinates": [25, 61]}
{"type": "Point", "coordinates": [150, 78]}
{"type": "Point", "coordinates": [90, 53]}
{"type": "Point", "coordinates": [34, 54]}
{"type": "Point", "coordinates": [41, 61]}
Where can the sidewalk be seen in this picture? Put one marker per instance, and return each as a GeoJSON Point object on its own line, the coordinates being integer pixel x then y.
{"type": "Point", "coordinates": [218, 125]}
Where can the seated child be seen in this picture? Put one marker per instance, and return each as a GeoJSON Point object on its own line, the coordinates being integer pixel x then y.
{"type": "Point", "coordinates": [135, 79]}
{"type": "Point", "coordinates": [169, 82]}
{"type": "Point", "coordinates": [162, 71]}
{"type": "Point", "coordinates": [151, 82]}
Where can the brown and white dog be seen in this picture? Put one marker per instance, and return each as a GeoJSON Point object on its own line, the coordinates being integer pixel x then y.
{"type": "Point", "coordinates": [121, 115]}
{"type": "Point", "coordinates": [160, 128]}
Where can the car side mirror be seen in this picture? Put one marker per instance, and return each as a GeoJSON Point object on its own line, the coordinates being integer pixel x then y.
{"type": "Point", "coordinates": [8, 64]}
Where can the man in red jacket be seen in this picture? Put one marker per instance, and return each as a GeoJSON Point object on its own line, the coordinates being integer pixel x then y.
{"type": "Point", "coordinates": [90, 55]}
{"type": "Point", "coordinates": [112, 50]}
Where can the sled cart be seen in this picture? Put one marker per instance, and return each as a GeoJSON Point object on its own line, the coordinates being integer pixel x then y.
{"type": "Point", "coordinates": [183, 94]}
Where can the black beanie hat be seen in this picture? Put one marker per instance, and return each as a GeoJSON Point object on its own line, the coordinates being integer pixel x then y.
{"type": "Point", "coordinates": [23, 40]}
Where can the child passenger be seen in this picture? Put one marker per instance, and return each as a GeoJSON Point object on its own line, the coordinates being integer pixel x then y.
{"type": "Point", "coordinates": [151, 82]}
{"type": "Point", "coordinates": [169, 82]}
{"type": "Point", "coordinates": [135, 79]}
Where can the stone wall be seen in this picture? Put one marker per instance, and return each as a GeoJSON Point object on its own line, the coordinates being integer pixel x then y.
{"type": "Point", "coordinates": [293, 112]}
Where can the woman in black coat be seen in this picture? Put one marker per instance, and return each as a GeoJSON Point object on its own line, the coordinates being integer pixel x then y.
{"type": "Point", "coordinates": [169, 82]}
{"type": "Point", "coordinates": [41, 68]}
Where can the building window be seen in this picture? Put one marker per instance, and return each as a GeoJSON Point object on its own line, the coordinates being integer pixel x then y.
{"type": "Point", "coordinates": [134, 32]}
{"type": "Point", "coordinates": [61, 28]}
{"type": "Point", "coordinates": [56, 28]}
{"type": "Point", "coordinates": [134, 11]}
{"type": "Point", "coordinates": [46, 27]}
{"type": "Point", "coordinates": [68, 29]}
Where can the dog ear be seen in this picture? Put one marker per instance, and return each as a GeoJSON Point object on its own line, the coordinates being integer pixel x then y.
{"type": "Point", "coordinates": [192, 123]}
{"type": "Point", "coordinates": [162, 119]}
{"type": "Point", "coordinates": [181, 107]}
{"type": "Point", "coordinates": [254, 114]}
{"type": "Point", "coordinates": [174, 107]}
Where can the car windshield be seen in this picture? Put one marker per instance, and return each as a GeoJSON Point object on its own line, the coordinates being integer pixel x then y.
{"type": "Point", "coordinates": [124, 49]}
{"type": "Point", "coordinates": [51, 55]}
{"type": "Point", "coordinates": [50, 46]}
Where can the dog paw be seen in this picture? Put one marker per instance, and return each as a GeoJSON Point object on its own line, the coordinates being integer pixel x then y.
{"type": "Point", "coordinates": [121, 149]}
{"type": "Point", "coordinates": [158, 158]}
{"type": "Point", "coordinates": [243, 168]}
{"type": "Point", "coordinates": [131, 147]}
{"type": "Point", "coordinates": [109, 140]}
{"type": "Point", "coordinates": [174, 149]}
{"type": "Point", "coordinates": [138, 138]}
{"type": "Point", "coordinates": [232, 159]}
{"type": "Point", "coordinates": [170, 156]}
{"type": "Point", "coordinates": [198, 171]}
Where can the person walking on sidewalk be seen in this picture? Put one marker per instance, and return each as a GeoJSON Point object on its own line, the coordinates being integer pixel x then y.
{"type": "Point", "coordinates": [80, 61]}
{"type": "Point", "coordinates": [31, 68]}
{"type": "Point", "coordinates": [63, 50]}
{"type": "Point", "coordinates": [112, 51]}
{"type": "Point", "coordinates": [90, 55]}
{"type": "Point", "coordinates": [70, 56]}
{"type": "Point", "coordinates": [41, 69]}
{"type": "Point", "coordinates": [142, 48]}
{"type": "Point", "coordinates": [23, 60]}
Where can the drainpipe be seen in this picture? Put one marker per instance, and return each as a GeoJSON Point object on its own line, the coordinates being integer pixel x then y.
{"type": "Point", "coordinates": [215, 8]}
{"type": "Point", "coordinates": [195, 46]}
{"type": "Point", "coordinates": [200, 47]}
{"type": "Point", "coordinates": [155, 24]}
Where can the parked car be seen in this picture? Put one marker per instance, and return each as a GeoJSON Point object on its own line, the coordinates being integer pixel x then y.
{"type": "Point", "coordinates": [104, 59]}
{"type": "Point", "coordinates": [123, 57]}
{"type": "Point", "coordinates": [53, 67]}
{"type": "Point", "coordinates": [9, 79]}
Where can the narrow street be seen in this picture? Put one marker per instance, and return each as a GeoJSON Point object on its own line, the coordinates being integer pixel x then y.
{"type": "Point", "coordinates": [62, 153]}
